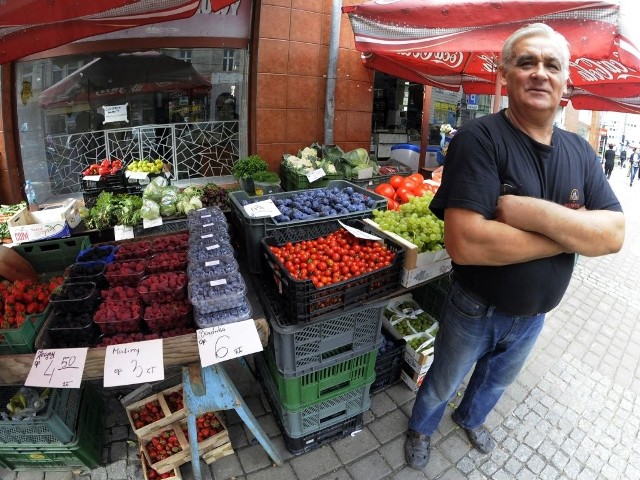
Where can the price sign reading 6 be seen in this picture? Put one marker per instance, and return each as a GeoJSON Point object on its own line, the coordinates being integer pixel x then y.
{"type": "Point", "coordinates": [223, 342]}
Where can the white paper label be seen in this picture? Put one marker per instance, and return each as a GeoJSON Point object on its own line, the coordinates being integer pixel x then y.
{"type": "Point", "coordinates": [136, 175]}
{"type": "Point", "coordinates": [129, 363]}
{"type": "Point", "coordinates": [122, 232]}
{"type": "Point", "coordinates": [264, 208]}
{"type": "Point", "coordinates": [224, 342]}
{"type": "Point", "coordinates": [315, 175]}
{"type": "Point", "coordinates": [359, 233]}
{"type": "Point", "coordinates": [207, 215]}
{"type": "Point", "coordinates": [115, 113]}
{"type": "Point", "coordinates": [92, 178]}
{"type": "Point", "coordinates": [156, 222]}
{"type": "Point", "coordinates": [212, 263]}
{"type": "Point", "coordinates": [211, 247]}
{"type": "Point", "coordinates": [57, 368]}
{"type": "Point", "coordinates": [208, 225]}
{"type": "Point", "coordinates": [220, 281]}
{"type": "Point", "coordinates": [207, 235]}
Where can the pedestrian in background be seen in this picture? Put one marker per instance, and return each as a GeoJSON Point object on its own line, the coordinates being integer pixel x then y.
{"type": "Point", "coordinates": [634, 163]}
{"type": "Point", "coordinates": [519, 198]}
{"type": "Point", "coordinates": [609, 160]}
{"type": "Point", "coordinates": [623, 157]}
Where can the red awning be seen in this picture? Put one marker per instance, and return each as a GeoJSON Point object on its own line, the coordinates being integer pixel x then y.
{"type": "Point", "coordinates": [31, 26]}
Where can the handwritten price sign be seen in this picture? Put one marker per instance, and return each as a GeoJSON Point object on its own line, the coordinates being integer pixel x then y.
{"type": "Point", "coordinates": [57, 368]}
{"type": "Point", "coordinates": [137, 362]}
{"type": "Point", "coordinates": [224, 342]}
{"type": "Point", "coordinates": [264, 208]}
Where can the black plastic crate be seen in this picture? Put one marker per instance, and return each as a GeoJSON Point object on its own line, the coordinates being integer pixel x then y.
{"type": "Point", "coordinates": [303, 301]}
{"type": "Point", "coordinates": [251, 231]}
{"type": "Point", "coordinates": [300, 349]}
{"type": "Point", "coordinates": [306, 443]}
{"type": "Point", "coordinates": [107, 182]}
{"type": "Point", "coordinates": [431, 297]}
{"type": "Point", "coordinates": [375, 180]}
{"type": "Point", "coordinates": [388, 362]}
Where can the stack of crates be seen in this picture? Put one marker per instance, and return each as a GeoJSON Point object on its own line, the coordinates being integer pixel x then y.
{"type": "Point", "coordinates": [317, 375]}
{"type": "Point", "coordinates": [67, 435]}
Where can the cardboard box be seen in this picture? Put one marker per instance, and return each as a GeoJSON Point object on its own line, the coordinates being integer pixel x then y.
{"type": "Point", "coordinates": [418, 267]}
{"type": "Point", "coordinates": [26, 226]}
{"type": "Point", "coordinates": [414, 385]}
{"type": "Point", "coordinates": [420, 362]}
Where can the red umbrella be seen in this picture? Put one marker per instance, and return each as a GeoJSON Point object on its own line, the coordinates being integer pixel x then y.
{"type": "Point", "coordinates": [31, 26]}
{"type": "Point", "coordinates": [453, 44]}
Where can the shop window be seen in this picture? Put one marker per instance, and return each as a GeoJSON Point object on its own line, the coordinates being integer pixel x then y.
{"type": "Point", "coordinates": [228, 60]}
{"type": "Point", "coordinates": [190, 114]}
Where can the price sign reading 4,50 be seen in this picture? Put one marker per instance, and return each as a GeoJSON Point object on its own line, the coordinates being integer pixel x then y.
{"type": "Point", "coordinates": [57, 368]}
{"type": "Point", "coordinates": [224, 342]}
{"type": "Point", "coordinates": [137, 362]}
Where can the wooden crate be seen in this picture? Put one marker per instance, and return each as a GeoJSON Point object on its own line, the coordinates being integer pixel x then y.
{"type": "Point", "coordinates": [173, 461]}
{"type": "Point", "coordinates": [217, 453]}
{"type": "Point", "coordinates": [174, 474]}
{"type": "Point", "coordinates": [168, 418]}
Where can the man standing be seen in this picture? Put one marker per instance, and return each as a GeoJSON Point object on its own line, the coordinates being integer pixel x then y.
{"type": "Point", "coordinates": [634, 163]}
{"type": "Point", "coordinates": [519, 198]}
{"type": "Point", "coordinates": [609, 160]}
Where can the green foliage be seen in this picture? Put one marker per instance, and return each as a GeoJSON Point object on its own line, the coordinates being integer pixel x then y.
{"type": "Point", "coordinates": [111, 210]}
{"type": "Point", "coordinates": [266, 176]}
{"type": "Point", "coordinates": [246, 167]}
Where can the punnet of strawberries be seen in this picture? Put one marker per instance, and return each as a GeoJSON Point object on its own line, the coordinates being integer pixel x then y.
{"type": "Point", "coordinates": [152, 474]}
{"type": "Point", "coordinates": [207, 425]}
{"type": "Point", "coordinates": [146, 414]}
{"type": "Point", "coordinates": [22, 298]}
{"type": "Point", "coordinates": [163, 446]}
{"type": "Point", "coordinates": [163, 287]}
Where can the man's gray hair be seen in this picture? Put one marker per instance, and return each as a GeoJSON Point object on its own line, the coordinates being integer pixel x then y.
{"type": "Point", "coordinates": [535, 30]}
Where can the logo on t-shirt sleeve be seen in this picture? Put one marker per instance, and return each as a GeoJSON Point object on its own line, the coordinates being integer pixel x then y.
{"type": "Point", "coordinates": [574, 200]}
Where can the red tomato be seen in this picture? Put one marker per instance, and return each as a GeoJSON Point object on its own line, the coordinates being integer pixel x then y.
{"type": "Point", "coordinates": [392, 204]}
{"type": "Point", "coordinates": [416, 177]}
{"type": "Point", "coordinates": [396, 181]}
{"type": "Point", "coordinates": [386, 190]}
{"type": "Point", "coordinates": [422, 189]}
{"type": "Point", "coordinates": [405, 194]}
{"type": "Point", "coordinates": [409, 184]}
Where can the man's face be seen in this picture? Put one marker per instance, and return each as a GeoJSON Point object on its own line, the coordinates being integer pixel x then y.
{"type": "Point", "coordinates": [535, 80]}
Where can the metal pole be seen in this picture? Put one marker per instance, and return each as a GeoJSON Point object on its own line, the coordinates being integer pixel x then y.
{"type": "Point", "coordinates": [330, 101]}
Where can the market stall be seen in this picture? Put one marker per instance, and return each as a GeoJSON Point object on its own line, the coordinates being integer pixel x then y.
{"type": "Point", "coordinates": [313, 267]}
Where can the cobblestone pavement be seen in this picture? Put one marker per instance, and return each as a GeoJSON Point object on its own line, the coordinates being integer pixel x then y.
{"type": "Point", "coordinates": [573, 413]}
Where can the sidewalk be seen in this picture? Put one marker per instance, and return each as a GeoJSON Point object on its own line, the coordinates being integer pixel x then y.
{"type": "Point", "coordinates": [573, 413]}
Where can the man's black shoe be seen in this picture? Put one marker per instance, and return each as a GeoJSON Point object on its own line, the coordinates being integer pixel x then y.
{"type": "Point", "coordinates": [416, 450]}
{"type": "Point", "coordinates": [479, 437]}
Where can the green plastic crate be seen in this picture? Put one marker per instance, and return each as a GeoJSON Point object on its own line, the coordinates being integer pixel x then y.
{"type": "Point", "coordinates": [53, 256]}
{"type": "Point", "coordinates": [300, 181]}
{"type": "Point", "coordinates": [54, 426]}
{"type": "Point", "coordinates": [22, 339]}
{"type": "Point", "coordinates": [324, 384]}
{"type": "Point", "coordinates": [81, 455]}
{"type": "Point", "coordinates": [320, 415]}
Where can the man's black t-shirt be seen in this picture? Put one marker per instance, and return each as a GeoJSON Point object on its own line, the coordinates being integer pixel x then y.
{"type": "Point", "coordinates": [488, 152]}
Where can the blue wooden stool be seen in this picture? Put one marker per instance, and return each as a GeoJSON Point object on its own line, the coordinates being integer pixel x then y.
{"type": "Point", "coordinates": [208, 389]}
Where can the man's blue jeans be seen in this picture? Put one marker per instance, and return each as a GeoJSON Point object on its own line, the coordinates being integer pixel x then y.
{"type": "Point", "coordinates": [634, 171]}
{"type": "Point", "coordinates": [471, 332]}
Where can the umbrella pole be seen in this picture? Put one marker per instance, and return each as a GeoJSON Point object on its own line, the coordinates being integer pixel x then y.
{"type": "Point", "coordinates": [426, 118]}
